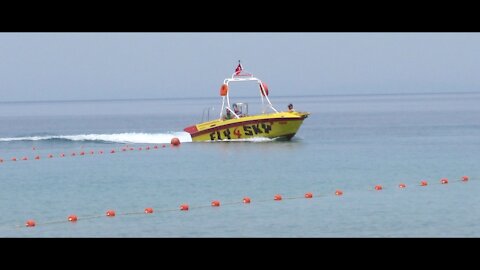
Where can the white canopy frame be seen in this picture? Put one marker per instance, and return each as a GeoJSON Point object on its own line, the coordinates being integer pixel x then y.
{"type": "Point", "coordinates": [245, 77]}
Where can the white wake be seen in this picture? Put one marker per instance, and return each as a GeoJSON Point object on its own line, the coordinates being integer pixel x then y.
{"type": "Point", "coordinates": [117, 138]}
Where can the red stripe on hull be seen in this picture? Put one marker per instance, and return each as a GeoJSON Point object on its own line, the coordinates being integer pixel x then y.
{"type": "Point", "coordinates": [191, 129]}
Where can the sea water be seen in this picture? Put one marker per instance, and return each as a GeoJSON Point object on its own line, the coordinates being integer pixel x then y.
{"type": "Point", "coordinates": [349, 142]}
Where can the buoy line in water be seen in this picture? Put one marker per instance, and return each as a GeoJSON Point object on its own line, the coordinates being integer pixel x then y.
{"type": "Point", "coordinates": [245, 200]}
{"type": "Point", "coordinates": [175, 142]}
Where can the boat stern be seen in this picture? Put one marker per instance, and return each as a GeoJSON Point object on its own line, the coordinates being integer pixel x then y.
{"type": "Point", "coordinates": [191, 129]}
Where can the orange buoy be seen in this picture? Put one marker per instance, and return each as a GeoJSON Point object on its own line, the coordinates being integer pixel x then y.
{"type": "Point", "coordinates": [265, 89]}
{"type": "Point", "coordinates": [216, 203]}
{"type": "Point", "coordinates": [92, 152]}
{"type": "Point", "coordinates": [175, 141]}
{"type": "Point", "coordinates": [112, 151]}
{"type": "Point", "coordinates": [1, 160]}
{"type": "Point", "coordinates": [62, 155]}
{"type": "Point", "coordinates": [444, 181]}
{"type": "Point", "coordinates": [110, 213]}
{"type": "Point", "coordinates": [163, 146]}
{"type": "Point", "coordinates": [124, 149]}
{"type": "Point", "coordinates": [149, 210]}
{"type": "Point", "coordinates": [73, 154]}
{"type": "Point", "coordinates": [338, 192]}
{"type": "Point", "coordinates": [72, 218]}
{"type": "Point", "coordinates": [82, 153]}
{"type": "Point", "coordinates": [139, 148]}
{"type": "Point", "coordinates": [184, 207]}
{"type": "Point", "coordinates": [50, 156]}
{"type": "Point", "coordinates": [147, 148]}
{"type": "Point", "coordinates": [30, 223]}
{"type": "Point", "coordinates": [402, 186]}
{"type": "Point", "coordinates": [277, 197]}
{"type": "Point", "coordinates": [423, 183]}
{"type": "Point", "coordinates": [378, 187]}
{"type": "Point", "coordinates": [25, 158]}
{"type": "Point", "coordinates": [246, 200]}
{"type": "Point", "coordinates": [223, 90]}
{"type": "Point", "coordinates": [155, 147]}
{"type": "Point", "coordinates": [308, 195]}
{"type": "Point", "coordinates": [14, 159]}
{"type": "Point", "coordinates": [464, 178]}
{"type": "Point", "coordinates": [131, 148]}
{"type": "Point", "coordinates": [100, 152]}
{"type": "Point", "coordinates": [37, 157]}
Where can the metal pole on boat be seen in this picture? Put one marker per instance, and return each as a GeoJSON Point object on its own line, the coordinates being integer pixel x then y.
{"type": "Point", "coordinates": [228, 98]}
{"type": "Point", "coordinates": [263, 94]}
{"type": "Point", "coordinates": [223, 105]}
{"type": "Point", "coordinates": [263, 102]}
{"type": "Point", "coordinates": [271, 106]}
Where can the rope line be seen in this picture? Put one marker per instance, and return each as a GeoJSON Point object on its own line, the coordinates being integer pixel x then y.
{"type": "Point", "coordinates": [276, 198]}
{"type": "Point", "coordinates": [83, 153]}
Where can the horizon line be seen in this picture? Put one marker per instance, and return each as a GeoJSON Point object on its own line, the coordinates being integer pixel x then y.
{"type": "Point", "coordinates": [280, 96]}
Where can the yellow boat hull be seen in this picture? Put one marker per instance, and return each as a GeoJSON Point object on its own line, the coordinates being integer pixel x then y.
{"type": "Point", "coordinates": [281, 125]}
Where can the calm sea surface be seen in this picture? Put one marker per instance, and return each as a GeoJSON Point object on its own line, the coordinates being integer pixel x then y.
{"type": "Point", "coordinates": [350, 143]}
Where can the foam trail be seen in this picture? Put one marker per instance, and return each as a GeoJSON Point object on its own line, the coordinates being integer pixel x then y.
{"type": "Point", "coordinates": [116, 138]}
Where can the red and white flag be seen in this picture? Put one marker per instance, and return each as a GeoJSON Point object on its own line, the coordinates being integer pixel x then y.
{"type": "Point", "coordinates": [238, 69]}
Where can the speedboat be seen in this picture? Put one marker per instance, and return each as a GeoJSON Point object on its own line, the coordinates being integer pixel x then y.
{"type": "Point", "coordinates": [235, 122]}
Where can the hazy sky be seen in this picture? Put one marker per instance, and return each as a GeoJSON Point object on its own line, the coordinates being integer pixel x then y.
{"type": "Point", "coordinates": [57, 66]}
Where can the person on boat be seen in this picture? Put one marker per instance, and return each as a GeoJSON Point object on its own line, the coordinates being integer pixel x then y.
{"type": "Point", "coordinates": [236, 110]}
{"type": "Point", "coordinates": [228, 115]}
{"type": "Point", "coordinates": [290, 108]}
